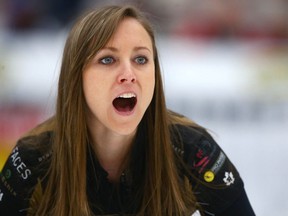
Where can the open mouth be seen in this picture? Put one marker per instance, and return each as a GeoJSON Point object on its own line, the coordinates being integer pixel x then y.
{"type": "Point", "coordinates": [125, 102]}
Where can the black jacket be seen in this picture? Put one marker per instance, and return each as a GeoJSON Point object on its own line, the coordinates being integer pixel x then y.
{"type": "Point", "coordinates": [215, 181]}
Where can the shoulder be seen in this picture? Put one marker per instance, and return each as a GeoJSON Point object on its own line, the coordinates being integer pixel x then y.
{"type": "Point", "coordinates": [216, 182]}
{"type": "Point", "coordinates": [191, 140]}
{"type": "Point", "coordinates": [30, 153]}
{"type": "Point", "coordinates": [201, 153]}
{"type": "Point", "coordinates": [27, 163]}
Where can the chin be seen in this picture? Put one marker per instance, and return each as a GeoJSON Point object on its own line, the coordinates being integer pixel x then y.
{"type": "Point", "coordinates": [126, 130]}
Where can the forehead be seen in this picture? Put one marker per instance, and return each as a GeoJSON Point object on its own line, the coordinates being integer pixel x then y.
{"type": "Point", "coordinates": [131, 31]}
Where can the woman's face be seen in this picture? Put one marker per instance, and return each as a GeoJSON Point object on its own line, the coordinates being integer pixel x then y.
{"type": "Point", "coordinates": [119, 81]}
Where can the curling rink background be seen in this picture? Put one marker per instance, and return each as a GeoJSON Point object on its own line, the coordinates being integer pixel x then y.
{"type": "Point", "coordinates": [238, 90]}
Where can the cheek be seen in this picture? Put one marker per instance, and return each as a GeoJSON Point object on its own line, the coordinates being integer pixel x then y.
{"type": "Point", "coordinates": [91, 81]}
{"type": "Point", "coordinates": [91, 89]}
{"type": "Point", "coordinates": [150, 87]}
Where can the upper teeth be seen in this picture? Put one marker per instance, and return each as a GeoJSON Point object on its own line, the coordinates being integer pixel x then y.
{"type": "Point", "coordinates": [127, 95]}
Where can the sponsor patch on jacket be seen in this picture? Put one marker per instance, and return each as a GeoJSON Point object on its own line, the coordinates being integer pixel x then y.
{"type": "Point", "coordinates": [19, 165]}
{"type": "Point", "coordinates": [209, 175]}
{"type": "Point", "coordinates": [203, 156]}
{"type": "Point", "coordinates": [219, 163]}
{"type": "Point", "coordinates": [229, 178]}
{"type": "Point", "coordinates": [7, 185]}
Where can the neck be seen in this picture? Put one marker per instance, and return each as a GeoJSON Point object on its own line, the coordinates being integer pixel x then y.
{"type": "Point", "coordinates": [112, 151]}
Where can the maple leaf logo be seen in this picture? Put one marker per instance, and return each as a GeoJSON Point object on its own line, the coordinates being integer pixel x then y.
{"type": "Point", "coordinates": [229, 178]}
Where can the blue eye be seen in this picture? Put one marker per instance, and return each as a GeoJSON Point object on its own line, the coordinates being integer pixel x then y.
{"type": "Point", "coordinates": [141, 60]}
{"type": "Point", "coordinates": [107, 60]}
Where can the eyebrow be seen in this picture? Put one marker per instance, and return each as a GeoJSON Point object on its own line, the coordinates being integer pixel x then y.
{"type": "Point", "coordinates": [142, 47]}
{"type": "Point", "coordinates": [114, 49]}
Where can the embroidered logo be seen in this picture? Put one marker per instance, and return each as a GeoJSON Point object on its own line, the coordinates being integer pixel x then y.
{"type": "Point", "coordinates": [229, 178]}
{"type": "Point", "coordinates": [203, 155]}
{"type": "Point", "coordinates": [209, 176]}
{"type": "Point", "coordinates": [219, 163]}
{"type": "Point", "coordinates": [20, 166]}
{"type": "Point", "coordinates": [7, 185]}
{"type": "Point", "coordinates": [8, 174]}
{"type": "Point", "coordinates": [45, 156]}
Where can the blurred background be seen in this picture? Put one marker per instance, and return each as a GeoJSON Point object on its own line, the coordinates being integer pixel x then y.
{"type": "Point", "coordinates": [225, 65]}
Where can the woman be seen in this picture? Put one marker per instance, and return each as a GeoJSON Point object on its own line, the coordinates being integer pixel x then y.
{"type": "Point", "coordinates": [112, 146]}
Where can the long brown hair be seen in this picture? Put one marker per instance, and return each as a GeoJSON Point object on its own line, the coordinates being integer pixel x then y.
{"type": "Point", "coordinates": [165, 193]}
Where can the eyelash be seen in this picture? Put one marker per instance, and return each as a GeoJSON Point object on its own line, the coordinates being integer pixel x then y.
{"type": "Point", "coordinates": [143, 58]}
{"type": "Point", "coordinates": [101, 61]}
{"type": "Point", "coordinates": [112, 60]}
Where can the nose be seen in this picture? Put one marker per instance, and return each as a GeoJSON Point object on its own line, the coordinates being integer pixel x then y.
{"type": "Point", "coordinates": [127, 74]}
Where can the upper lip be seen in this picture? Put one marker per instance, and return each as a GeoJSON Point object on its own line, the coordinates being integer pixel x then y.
{"type": "Point", "coordinates": [126, 95]}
